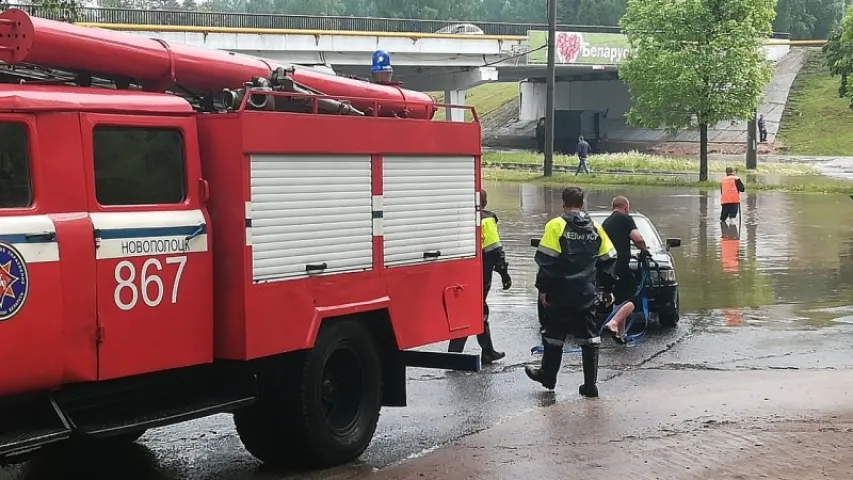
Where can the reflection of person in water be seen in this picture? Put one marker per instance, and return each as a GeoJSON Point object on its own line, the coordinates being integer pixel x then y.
{"type": "Point", "coordinates": [730, 259]}
{"type": "Point", "coordinates": [730, 248]}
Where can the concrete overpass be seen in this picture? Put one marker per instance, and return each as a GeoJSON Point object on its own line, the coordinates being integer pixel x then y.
{"type": "Point", "coordinates": [423, 58]}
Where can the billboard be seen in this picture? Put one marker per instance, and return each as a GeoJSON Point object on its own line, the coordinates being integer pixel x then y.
{"type": "Point", "coordinates": [576, 48]}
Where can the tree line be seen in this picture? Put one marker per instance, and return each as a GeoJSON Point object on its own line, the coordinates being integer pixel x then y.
{"type": "Point", "coordinates": [803, 19]}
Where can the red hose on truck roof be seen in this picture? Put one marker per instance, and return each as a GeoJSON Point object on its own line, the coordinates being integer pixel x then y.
{"type": "Point", "coordinates": [157, 65]}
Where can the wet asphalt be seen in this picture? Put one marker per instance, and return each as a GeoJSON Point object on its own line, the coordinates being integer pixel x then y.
{"type": "Point", "coordinates": [773, 294]}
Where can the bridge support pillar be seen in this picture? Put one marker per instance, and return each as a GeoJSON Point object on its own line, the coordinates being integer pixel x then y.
{"type": "Point", "coordinates": [454, 97]}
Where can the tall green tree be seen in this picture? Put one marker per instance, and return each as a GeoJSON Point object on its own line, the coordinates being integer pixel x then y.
{"type": "Point", "coordinates": [695, 63]}
{"type": "Point", "coordinates": [807, 19]}
{"type": "Point", "coordinates": [839, 54]}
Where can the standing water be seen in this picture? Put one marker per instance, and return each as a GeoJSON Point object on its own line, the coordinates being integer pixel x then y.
{"type": "Point", "coordinates": [789, 263]}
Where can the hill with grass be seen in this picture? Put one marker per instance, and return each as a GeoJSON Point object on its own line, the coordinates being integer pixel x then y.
{"type": "Point", "coordinates": [496, 105]}
{"type": "Point", "coordinates": [816, 121]}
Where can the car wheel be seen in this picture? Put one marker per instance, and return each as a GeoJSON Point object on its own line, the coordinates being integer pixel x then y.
{"type": "Point", "coordinates": [670, 318]}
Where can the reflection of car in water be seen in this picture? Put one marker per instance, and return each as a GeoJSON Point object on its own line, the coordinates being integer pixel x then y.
{"type": "Point", "coordinates": [462, 29]}
{"type": "Point", "coordinates": [662, 288]}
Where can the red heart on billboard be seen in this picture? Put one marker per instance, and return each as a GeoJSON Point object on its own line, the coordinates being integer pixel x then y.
{"type": "Point", "coordinates": [569, 46]}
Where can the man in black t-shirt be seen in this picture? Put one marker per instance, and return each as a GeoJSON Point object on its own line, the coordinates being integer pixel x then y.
{"type": "Point", "coordinates": [622, 230]}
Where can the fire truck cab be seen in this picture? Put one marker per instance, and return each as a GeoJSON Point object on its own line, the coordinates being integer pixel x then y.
{"type": "Point", "coordinates": [161, 262]}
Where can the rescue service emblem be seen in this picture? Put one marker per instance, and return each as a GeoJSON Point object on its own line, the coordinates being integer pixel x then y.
{"type": "Point", "coordinates": [14, 281]}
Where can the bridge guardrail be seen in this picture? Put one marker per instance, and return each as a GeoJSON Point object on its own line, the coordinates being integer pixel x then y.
{"type": "Point", "coordinates": [302, 22]}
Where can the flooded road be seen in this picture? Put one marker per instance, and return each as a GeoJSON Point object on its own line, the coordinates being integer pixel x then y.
{"type": "Point", "coordinates": [772, 297]}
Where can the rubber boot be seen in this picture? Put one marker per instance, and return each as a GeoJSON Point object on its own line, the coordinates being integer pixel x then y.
{"type": "Point", "coordinates": [489, 355]}
{"type": "Point", "coordinates": [552, 357]}
{"type": "Point", "coordinates": [589, 355]}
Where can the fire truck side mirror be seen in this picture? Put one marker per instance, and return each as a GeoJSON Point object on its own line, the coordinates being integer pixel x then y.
{"type": "Point", "coordinates": [534, 242]}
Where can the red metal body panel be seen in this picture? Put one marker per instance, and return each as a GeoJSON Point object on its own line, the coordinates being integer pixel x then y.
{"type": "Point", "coordinates": [159, 65]}
{"type": "Point", "coordinates": [427, 303]}
{"type": "Point", "coordinates": [79, 313]}
{"type": "Point", "coordinates": [60, 190]}
{"type": "Point", "coordinates": [33, 352]}
{"type": "Point", "coordinates": [34, 340]}
{"type": "Point", "coordinates": [218, 154]}
{"type": "Point", "coordinates": [45, 98]}
{"type": "Point", "coordinates": [148, 338]}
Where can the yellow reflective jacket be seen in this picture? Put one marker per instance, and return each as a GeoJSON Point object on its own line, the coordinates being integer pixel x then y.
{"type": "Point", "coordinates": [572, 252]}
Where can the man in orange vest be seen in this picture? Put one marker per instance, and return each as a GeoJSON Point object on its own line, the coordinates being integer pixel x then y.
{"type": "Point", "coordinates": [730, 190]}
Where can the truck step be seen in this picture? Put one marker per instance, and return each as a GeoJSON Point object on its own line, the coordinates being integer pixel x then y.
{"type": "Point", "coordinates": [154, 401]}
{"type": "Point", "coordinates": [28, 423]}
{"type": "Point", "coordinates": [140, 417]}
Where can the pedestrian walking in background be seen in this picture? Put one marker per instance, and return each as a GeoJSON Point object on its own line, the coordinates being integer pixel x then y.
{"type": "Point", "coordinates": [583, 153]}
{"type": "Point", "coordinates": [762, 129]}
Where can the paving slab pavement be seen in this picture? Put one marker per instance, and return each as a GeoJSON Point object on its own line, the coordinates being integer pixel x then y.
{"type": "Point", "coordinates": [654, 424]}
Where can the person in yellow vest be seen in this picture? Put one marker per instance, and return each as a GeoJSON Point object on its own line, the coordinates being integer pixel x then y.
{"type": "Point", "coordinates": [574, 254]}
{"type": "Point", "coordinates": [494, 260]}
{"type": "Point", "coordinates": [730, 189]}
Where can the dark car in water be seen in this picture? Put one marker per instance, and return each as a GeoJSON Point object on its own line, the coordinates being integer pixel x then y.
{"type": "Point", "coordinates": [662, 285]}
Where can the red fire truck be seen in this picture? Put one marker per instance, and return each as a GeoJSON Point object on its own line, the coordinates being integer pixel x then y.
{"type": "Point", "coordinates": [186, 232]}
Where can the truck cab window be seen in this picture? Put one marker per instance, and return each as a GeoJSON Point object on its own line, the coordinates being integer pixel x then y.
{"type": "Point", "coordinates": [138, 165]}
{"type": "Point", "coordinates": [15, 187]}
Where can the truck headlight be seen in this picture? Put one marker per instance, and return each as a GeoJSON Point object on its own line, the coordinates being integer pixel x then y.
{"type": "Point", "coordinates": [666, 276]}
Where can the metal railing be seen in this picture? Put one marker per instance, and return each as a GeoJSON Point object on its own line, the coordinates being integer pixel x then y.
{"type": "Point", "coordinates": [303, 22]}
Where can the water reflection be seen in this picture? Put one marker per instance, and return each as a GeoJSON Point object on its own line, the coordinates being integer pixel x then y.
{"type": "Point", "coordinates": [787, 258]}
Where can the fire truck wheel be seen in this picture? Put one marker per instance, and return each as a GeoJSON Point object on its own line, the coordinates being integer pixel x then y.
{"type": "Point", "coordinates": [328, 415]}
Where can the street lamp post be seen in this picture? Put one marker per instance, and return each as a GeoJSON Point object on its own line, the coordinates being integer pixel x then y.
{"type": "Point", "coordinates": [549, 89]}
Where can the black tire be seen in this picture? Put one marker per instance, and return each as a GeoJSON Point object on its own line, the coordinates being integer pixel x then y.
{"type": "Point", "coordinates": [324, 411]}
{"type": "Point", "coordinates": [670, 318]}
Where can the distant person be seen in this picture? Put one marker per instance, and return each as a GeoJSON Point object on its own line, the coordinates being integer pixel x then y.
{"type": "Point", "coordinates": [583, 154]}
{"type": "Point", "coordinates": [623, 231]}
{"type": "Point", "coordinates": [730, 189]}
{"type": "Point", "coordinates": [762, 129]}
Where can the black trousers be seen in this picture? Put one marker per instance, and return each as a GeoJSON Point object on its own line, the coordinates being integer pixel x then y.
{"type": "Point", "coordinates": [762, 135]}
{"type": "Point", "coordinates": [729, 210]}
{"type": "Point", "coordinates": [558, 323]}
{"type": "Point", "coordinates": [625, 287]}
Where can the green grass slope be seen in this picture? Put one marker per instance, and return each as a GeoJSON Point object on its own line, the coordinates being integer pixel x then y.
{"type": "Point", "coordinates": [485, 99]}
{"type": "Point", "coordinates": [816, 121]}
